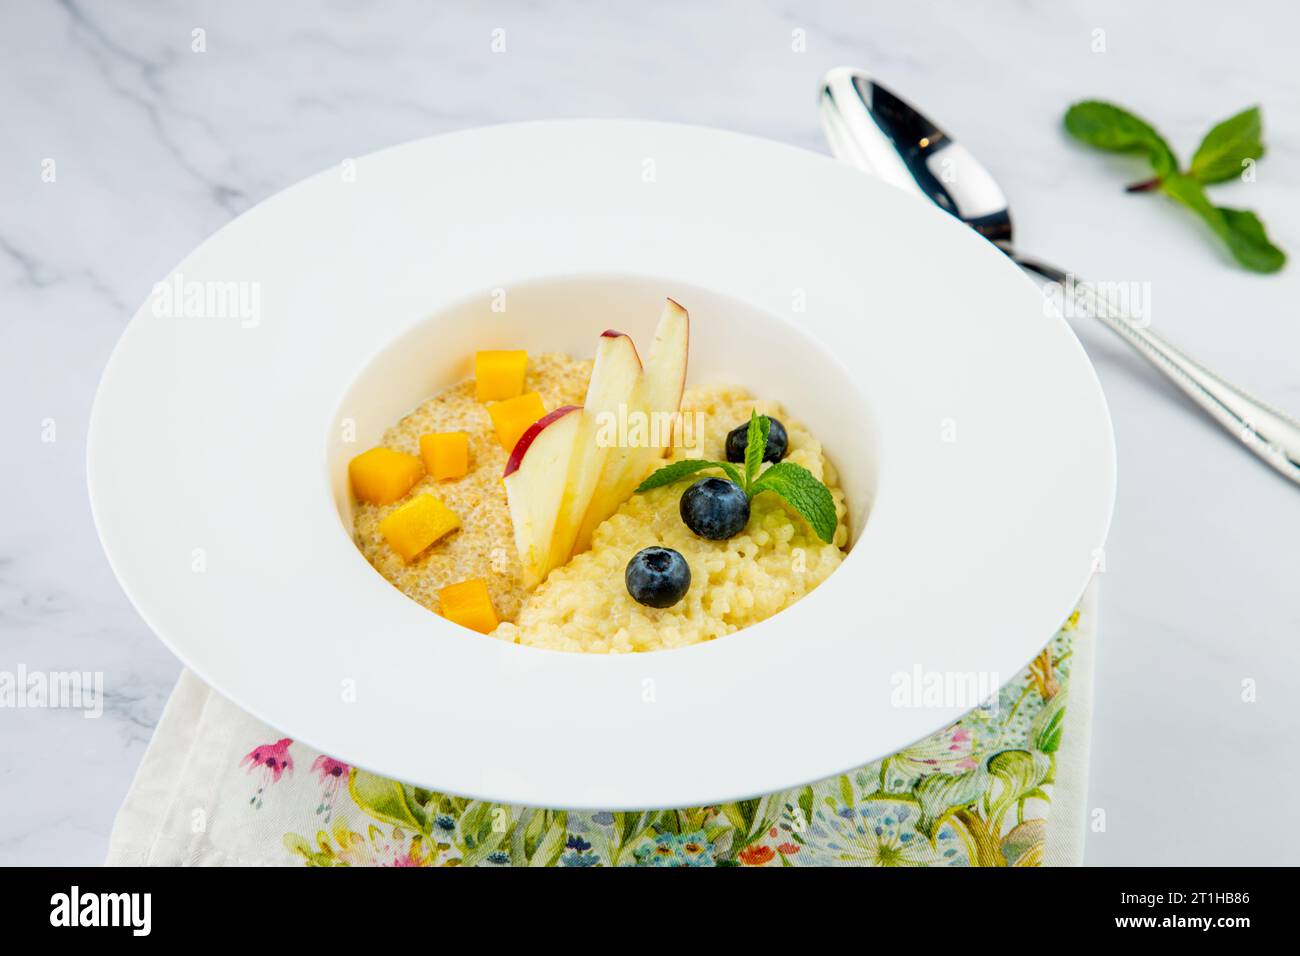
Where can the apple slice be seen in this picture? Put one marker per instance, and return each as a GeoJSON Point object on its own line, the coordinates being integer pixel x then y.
{"type": "Point", "coordinates": [615, 377]}
{"type": "Point", "coordinates": [659, 394]}
{"type": "Point", "coordinates": [535, 479]}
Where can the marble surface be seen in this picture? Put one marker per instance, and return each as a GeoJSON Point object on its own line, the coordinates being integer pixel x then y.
{"type": "Point", "coordinates": [155, 146]}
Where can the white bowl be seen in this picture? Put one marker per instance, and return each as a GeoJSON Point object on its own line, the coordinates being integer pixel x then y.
{"type": "Point", "coordinates": [968, 427]}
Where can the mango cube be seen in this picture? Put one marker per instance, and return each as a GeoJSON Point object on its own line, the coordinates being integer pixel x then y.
{"type": "Point", "coordinates": [383, 475]}
{"type": "Point", "coordinates": [512, 417]}
{"type": "Point", "coordinates": [469, 605]}
{"type": "Point", "coordinates": [445, 454]}
{"type": "Point", "coordinates": [417, 524]}
{"type": "Point", "coordinates": [499, 374]}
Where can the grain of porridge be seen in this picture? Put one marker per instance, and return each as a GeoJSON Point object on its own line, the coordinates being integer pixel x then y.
{"type": "Point", "coordinates": [584, 606]}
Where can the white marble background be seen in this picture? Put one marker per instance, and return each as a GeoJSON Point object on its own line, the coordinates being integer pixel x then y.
{"type": "Point", "coordinates": [157, 146]}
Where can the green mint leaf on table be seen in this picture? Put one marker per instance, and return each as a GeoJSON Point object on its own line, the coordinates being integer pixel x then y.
{"type": "Point", "coordinates": [755, 446]}
{"type": "Point", "coordinates": [796, 485]}
{"type": "Point", "coordinates": [1222, 155]}
{"type": "Point", "coordinates": [1227, 147]}
{"type": "Point", "coordinates": [1116, 130]}
{"type": "Point", "coordinates": [1248, 241]}
{"type": "Point", "coordinates": [1240, 229]}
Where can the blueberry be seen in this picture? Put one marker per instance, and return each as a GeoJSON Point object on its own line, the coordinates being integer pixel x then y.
{"type": "Point", "coordinates": [715, 508]}
{"type": "Point", "coordinates": [777, 442]}
{"type": "Point", "coordinates": [657, 577]}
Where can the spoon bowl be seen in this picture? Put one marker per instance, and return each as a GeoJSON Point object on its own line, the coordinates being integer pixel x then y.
{"type": "Point", "coordinates": [878, 130]}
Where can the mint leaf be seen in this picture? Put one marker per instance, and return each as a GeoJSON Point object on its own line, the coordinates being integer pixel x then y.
{"type": "Point", "coordinates": [796, 485]}
{"type": "Point", "coordinates": [1116, 130]}
{"type": "Point", "coordinates": [1240, 229]}
{"type": "Point", "coordinates": [1248, 241]}
{"type": "Point", "coordinates": [755, 446]}
{"type": "Point", "coordinates": [684, 469]}
{"type": "Point", "coordinates": [1220, 155]}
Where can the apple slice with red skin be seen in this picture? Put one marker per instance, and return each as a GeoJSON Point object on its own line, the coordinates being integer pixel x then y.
{"type": "Point", "coordinates": [658, 394]}
{"type": "Point", "coordinates": [615, 378]}
{"type": "Point", "coordinates": [534, 478]}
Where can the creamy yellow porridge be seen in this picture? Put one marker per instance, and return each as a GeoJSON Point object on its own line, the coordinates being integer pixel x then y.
{"type": "Point", "coordinates": [776, 560]}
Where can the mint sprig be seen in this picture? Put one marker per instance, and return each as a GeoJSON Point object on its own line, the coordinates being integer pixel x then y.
{"type": "Point", "coordinates": [793, 484]}
{"type": "Point", "coordinates": [1224, 152]}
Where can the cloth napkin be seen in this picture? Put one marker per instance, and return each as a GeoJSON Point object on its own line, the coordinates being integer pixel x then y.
{"type": "Point", "coordinates": [1005, 785]}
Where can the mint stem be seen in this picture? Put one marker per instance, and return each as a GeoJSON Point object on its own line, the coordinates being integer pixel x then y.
{"type": "Point", "coordinates": [1145, 186]}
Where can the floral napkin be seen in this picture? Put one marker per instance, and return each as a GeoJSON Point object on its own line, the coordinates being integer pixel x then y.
{"type": "Point", "coordinates": [1004, 786]}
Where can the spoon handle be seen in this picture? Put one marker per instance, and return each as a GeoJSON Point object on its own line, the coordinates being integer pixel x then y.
{"type": "Point", "coordinates": [1268, 432]}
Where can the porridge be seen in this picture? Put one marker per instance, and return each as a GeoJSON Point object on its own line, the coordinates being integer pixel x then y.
{"type": "Point", "coordinates": [484, 546]}
{"type": "Point", "coordinates": [522, 504]}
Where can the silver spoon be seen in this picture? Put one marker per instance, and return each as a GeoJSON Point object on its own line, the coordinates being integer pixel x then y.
{"type": "Point", "coordinates": [871, 128]}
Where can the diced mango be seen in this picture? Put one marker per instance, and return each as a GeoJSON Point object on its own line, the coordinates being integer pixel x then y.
{"type": "Point", "coordinates": [469, 605]}
{"type": "Point", "coordinates": [499, 374]}
{"type": "Point", "coordinates": [383, 475]}
{"type": "Point", "coordinates": [417, 524]}
{"type": "Point", "coordinates": [445, 454]}
{"type": "Point", "coordinates": [512, 417]}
